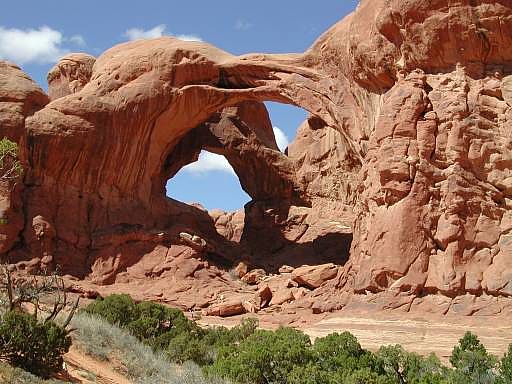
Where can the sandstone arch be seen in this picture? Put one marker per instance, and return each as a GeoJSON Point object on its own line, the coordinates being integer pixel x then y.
{"type": "Point", "coordinates": [408, 139]}
{"type": "Point", "coordinates": [244, 135]}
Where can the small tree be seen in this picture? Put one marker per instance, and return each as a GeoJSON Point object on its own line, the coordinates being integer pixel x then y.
{"type": "Point", "coordinates": [35, 346]}
{"type": "Point", "coordinates": [265, 357]}
{"type": "Point", "coordinates": [31, 341]}
{"type": "Point", "coordinates": [506, 367]}
{"type": "Point", "coordinates": [471, 361]}
{"type": "Point", "coordinates": [10, 165]}
{"type": "Point", "coordinates": [17, 291]}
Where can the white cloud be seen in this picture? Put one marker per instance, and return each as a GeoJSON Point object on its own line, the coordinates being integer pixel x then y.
{"type": "Point", "coordinates": [242, 25]}
{"type": "Point", "coordinates": [158, 31]}
{"type": "Point", "coordinates": [139, 33]}
{"type": "Point", "coordinates": [209, 162]}
{"type": "Point", "coordinates": [281, 139]}
{"type": "Point", "coordinates": [188, 37]}
{"type": "Point", "coordinates": [43, 45]}
{"type": "Point", "coordinates": [77, 40]}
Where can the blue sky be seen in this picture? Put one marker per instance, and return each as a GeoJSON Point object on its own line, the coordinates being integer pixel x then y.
{"type": "Point", "coordinates": [34, 34]}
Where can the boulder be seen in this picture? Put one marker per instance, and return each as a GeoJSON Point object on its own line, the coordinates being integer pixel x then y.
{"type": "Point", "coordinates": [282, 296]}
{"type": "Point", "coordinates": [263, 297]}
{"type": "Point", "coordinates": [254, 276]}
{"type": "Point", "coordinates": [231, 308]}
{"type": "Point", "coordinates": [314, 276]}
{"type": "Point", "coordinates": [241, 269]}
{"type": "Point", "coordinates": [286, 269]}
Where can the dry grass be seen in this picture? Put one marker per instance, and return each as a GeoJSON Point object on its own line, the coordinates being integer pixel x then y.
{"type": "Point", "coordinates": [102, 340]}
{"type": "Point", "coordinates": [11, 375]}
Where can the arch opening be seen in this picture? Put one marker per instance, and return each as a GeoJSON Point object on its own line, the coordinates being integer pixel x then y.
{"type": "Point", "coordinates": [286, 120]}
{"type": "Point", "coordinates": [250, 157]}
{"type": "Point", "coordinates": [211, 182]}
{"type": "Point", "coordinates": [239, 155]}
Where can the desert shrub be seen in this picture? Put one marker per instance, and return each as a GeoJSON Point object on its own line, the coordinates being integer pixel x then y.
{"type": "Point", "coordinates": [145, 320]}
{"type": "Point", "coordinates": [472, 362]}
{"type": "Point", "coordinates": [141, 364]}
{"type": "Point", "coordinates": [116, 309]}
{"type": "Point", "coordinates": [506, 367]}
{"type": "Point", "coordinates": [309, 374]}
{"type": "Point", "coordinates": [221, 336]}
{"type": "Point", "coordinates": [342, 352]}
{"type": "Point", "coordinates": [13, 375]}
{"type": "Point", "coordinates": [37, 347]}
{"type": "Point", "coordinates": [263, 357]}
{"type": "Point", "coordinates": [366, 376]}
{"type": "Point", "coordinates": [10, 166]}
{"type": "Point", "coordinates": [26, 341]}
{"type": "Point", "coordinates": [406, 367]}
{"type": "Point", "coordinates": [167, 329]}
{"type": "Point", "coordinates": [184, 347]}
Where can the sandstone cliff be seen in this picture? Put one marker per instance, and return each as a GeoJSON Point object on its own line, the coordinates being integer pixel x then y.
{"type": "Point", "coordinates": [407, 149]}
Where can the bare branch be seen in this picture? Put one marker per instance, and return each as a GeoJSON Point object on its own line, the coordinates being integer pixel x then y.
{"type": "Point", "coordinates": [32, 290]}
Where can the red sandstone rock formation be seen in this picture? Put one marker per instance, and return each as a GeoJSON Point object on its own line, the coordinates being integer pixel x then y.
{"type": "Point", "coordinates": [407, 147]}
{"type": "Point", "coordinates": [70, 75]}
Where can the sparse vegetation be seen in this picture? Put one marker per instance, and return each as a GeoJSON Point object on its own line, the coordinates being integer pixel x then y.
{"type": "Point", "coordinates": [28, 340]}
{"type": "Point", "coordinates": [167, 329]}
{"type": "Point", "coordinates": [150, 343]}
{"type": "Point", "coordinates": [35, 346]}
{"type": "Point", "coordinates": [286, 356]}
{"type": "Point", "coordinates": [13, 375]}
{"type": "Point", "coordinates": [10, 165]}
{"type": "Point", "coordinates": [97, 337]}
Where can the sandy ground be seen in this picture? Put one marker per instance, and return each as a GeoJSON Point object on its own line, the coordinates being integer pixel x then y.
{"type": "Point", "coordinates": [87, 370]}
{"type": "Point", "coordinates": [423, 336]}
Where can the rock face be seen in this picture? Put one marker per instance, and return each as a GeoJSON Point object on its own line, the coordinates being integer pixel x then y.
{"type": "Point", "coordinates": [407, 149]}
{"type": "Point", "coordinates": [20, 97]}
{"type": "Point", "coordinates": [70, 75]}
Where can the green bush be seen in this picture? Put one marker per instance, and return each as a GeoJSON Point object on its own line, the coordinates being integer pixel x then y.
{"type": "Point", "coordinates": [366, 376]}
{"type": "Point", "coordinates": [263, 357]}
{"type": "Point", "coordinates": [309, 374]}
{"type": "Point", "coordinates": [405, 367]}
{"type": "Point", "coordinates": [506, 367]}
{"type": "Point", "coordinates": [34, 346]}
{"type": "Point", "coordinates": [342, 352]}
{"type": "Point", "coordinates": [145, 320]}
{"type": "Point", "coordinates": [246, 355]}
{"type": "Point", "coordinates": [471, 361]}
{"type": "Point", "coordinates": [116, 309]}
{"type": "Point", "coordinates": [98, 338]}
{"type": "Point", "coordinates": [167, 329]}
{"type": "Point", "coordinates": [10, 166]}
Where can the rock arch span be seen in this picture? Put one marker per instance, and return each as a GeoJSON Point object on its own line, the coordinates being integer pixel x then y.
{"type": "Point", "coordinates": [407, 140]}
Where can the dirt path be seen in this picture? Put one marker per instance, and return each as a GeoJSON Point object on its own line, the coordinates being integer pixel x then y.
{"type": "Point", "coordinates": [87, 370]}
{"type": "Point", "coordinates": [423, 336]}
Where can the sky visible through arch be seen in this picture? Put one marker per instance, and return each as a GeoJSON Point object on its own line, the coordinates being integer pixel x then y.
{"type": "Point", "coordinates": [35, 34]}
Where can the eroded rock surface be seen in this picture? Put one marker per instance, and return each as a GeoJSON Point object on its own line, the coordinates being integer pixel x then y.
{"type": "Point", "coordinates": [70, 74]}
{"type": "Point", "coordinates": [407, 150]}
